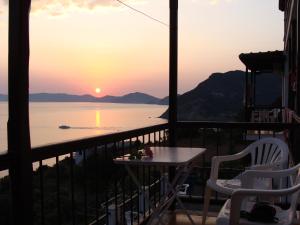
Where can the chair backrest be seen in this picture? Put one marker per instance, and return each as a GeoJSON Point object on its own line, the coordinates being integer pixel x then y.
{"type": "Point", "coordinates": [269, 151]}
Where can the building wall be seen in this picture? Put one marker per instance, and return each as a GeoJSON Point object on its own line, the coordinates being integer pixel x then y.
{"type": "Point", "coordinates": [291, 95]}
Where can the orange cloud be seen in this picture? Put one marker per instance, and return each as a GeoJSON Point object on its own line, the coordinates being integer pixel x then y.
{"type": "Point", "coordinates": [60, 7]}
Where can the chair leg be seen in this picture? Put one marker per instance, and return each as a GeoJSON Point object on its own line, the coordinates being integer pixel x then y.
{"type": "Point", "coordinates": [206, 204]}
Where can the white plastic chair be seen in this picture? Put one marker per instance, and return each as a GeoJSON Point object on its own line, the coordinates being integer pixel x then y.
{"type": "Point", "coordinates": [266, 154]}
{"type": "Point", "coordinates": [230, 212]}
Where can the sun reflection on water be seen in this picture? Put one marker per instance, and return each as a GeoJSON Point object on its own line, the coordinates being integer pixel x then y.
{"type": "Point", "coordinates": [98, 118]}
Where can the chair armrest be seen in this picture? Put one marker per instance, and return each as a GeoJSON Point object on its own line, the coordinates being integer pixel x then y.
{"type": "Point", "coordinates": [217, 160]}
{"type": "Point", "coordinates": [227, 158]}
{"type": "Point", "coordinates": [243, 192]}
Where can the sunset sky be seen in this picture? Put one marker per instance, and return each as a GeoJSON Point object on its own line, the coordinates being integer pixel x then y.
{"type": "Point", "coordinates": [80, 45]}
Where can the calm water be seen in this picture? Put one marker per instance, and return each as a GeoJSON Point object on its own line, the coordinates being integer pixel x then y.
{"type": "Point", "coordinates": [86, 119]}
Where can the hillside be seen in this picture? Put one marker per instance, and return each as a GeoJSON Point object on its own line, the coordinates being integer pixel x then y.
{"type": "Point", "coordinates": [134, 98]}
{"type": "Point", "coordinates": [220, 97]}
{"type": "Point", "coordinates": [60, 97]}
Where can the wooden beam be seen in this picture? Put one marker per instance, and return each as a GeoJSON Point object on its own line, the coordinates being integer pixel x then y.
{"type": "Point", "coordinates": [173, 73]}
{"type": "Point", "coordinates": [20, 171]}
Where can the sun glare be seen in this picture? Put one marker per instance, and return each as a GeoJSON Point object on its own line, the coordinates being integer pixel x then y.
{"type": "Point", "coordinates": [97, 90]}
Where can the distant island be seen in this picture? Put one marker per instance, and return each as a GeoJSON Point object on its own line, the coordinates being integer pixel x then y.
{"type": "Point", "coordinates": [132, 98]}
{"type": "Point", "coordinates": [219, 98]}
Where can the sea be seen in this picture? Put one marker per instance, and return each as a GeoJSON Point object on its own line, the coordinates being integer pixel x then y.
{"type": "Point", "coordinates": [85, 119]}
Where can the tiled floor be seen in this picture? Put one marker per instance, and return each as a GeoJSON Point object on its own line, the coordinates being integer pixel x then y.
{"type": "Point", "coordinates": [180, 218]}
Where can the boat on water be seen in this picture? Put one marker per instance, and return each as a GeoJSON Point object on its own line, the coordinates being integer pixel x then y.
{"type": "Point", "coordinates": [64, 127]}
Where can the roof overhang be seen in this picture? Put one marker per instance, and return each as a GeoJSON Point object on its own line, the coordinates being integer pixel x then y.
{"type": "Point", "coordinates": [268, 62]}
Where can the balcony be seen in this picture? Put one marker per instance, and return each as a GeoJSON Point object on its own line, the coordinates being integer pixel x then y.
{"type": "Point", "coordinates": [258, 65]}
{"type": "Point", "coordinates": [77, 182]}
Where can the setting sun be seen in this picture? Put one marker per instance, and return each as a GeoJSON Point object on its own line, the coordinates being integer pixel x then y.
{"type": "Point", "coordinates": [97, 90]}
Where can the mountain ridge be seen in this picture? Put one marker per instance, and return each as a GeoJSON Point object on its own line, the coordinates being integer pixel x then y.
{"type": "Point", "coordinates": [220, 97]}
{"type": "Point", "coordinates": [131, 98]}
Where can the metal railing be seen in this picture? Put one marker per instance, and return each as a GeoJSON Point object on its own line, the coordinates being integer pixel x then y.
{"type": "Point", "coordinates": [262, 114]}
{"type": "Point", "coordinates": [76, 182]}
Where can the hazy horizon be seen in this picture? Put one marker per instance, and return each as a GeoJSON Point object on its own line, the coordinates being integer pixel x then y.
{"type": "Point", "coordinates": [102, 48]}
{"type": "Point", "coordinates": [93, 95]}
{"type": "Point", "coordinates": [107, 94]}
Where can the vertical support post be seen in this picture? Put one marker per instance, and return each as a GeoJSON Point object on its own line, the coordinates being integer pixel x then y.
{"type": "Point", "coordinates": [295, 131]}
{"type": "Point", "coordinates": [250, 89]}
{"type": "Point", "coordinates": [246, 94]}
{"type": "Point", "coordinates": [250, 93]}
{"type": "Point", "coordinates": [173, 73]}
{"type": "Point", "coordinates": [254, 88]}
{"type": "Point", "coordinates": [19, 148]}
{"type": "Point", "coordinates": [298, 57]}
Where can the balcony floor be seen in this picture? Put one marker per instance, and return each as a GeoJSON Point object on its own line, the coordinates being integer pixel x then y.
{"type": "Point", "coordinates": [179, 218]}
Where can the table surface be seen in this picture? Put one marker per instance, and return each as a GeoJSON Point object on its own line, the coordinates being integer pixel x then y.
{"type": "Point", "coordinates": [172, 156]}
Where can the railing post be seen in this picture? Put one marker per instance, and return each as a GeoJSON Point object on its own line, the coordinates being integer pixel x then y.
{"type": "Point", "coordinates": [19, 148]}
{"type": "Point", "coordinates": [173, 73]}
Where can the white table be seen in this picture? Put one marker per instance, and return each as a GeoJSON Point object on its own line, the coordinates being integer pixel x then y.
{"type": "Point", "coordinates": [183, 159]}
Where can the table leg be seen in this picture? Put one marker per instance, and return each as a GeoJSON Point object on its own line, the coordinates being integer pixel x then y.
{"type": "Point", "coordinates": [188, 170]}
{"type": "Point", "coordinates": [140, 189]}
{"type": "Point", "coordinates": [170, 195]}
{"type": "Point", "coordinates": [173, 192]}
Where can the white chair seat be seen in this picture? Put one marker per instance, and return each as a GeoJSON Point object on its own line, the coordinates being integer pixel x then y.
{"type": "Point", "coordinates": [284, 216]}
{"type": "Point", "coordinates": [233, 183]}
{"type": "Point", "coordinates": [224, 186]}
